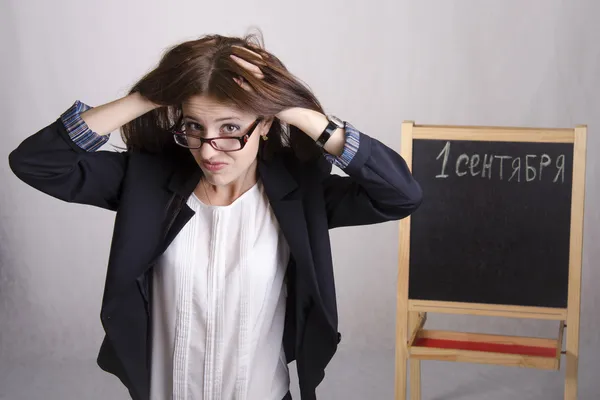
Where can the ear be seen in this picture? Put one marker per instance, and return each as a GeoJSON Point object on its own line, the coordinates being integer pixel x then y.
{"type": "Point", "coordinates": [266, 126]}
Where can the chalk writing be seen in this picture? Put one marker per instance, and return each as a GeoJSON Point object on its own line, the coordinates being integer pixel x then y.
{"type": "Point", "coordinates": [527, 168]}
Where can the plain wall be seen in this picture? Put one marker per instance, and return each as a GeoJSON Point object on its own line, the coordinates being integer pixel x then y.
{"type": "Point", "coordinates": [375, 64]}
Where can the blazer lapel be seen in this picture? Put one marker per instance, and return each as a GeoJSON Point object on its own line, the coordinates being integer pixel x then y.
{"type": "Point", "coordinates": [285, 198]}
{"type": "Point", "coordinates": [175, 212]}
{"type": "Point", "coordinates": [182, 184]}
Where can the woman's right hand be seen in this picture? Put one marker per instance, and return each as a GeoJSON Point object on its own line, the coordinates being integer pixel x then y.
{"type": "Point", "coordinates": [111, 116]}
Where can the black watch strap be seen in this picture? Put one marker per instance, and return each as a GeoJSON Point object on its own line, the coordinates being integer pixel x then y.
{"type": "Point", "coordinates": [331, 127]}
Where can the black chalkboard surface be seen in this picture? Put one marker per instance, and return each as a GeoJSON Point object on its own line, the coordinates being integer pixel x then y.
{"type": "Point", "coordinates": [494, 224]}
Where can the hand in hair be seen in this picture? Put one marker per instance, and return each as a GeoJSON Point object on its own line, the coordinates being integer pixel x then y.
{"type": "Point", "coordinates": [248, 66]}
{"type": "Point", "coordinates": [309, 121]}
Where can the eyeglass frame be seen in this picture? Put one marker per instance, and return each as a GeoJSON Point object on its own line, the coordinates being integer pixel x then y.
{"type": "Point", "coordinates": [242, 139]}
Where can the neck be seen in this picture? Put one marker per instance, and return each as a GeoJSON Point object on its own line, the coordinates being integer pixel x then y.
{"type": "Point", "coordinates": [217, 195]}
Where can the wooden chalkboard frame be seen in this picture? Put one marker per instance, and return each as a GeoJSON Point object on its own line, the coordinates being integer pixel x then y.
{"type": "Point", "coordinates": [483, 348]}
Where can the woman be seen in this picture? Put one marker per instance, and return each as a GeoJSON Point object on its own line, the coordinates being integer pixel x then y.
{"type": "Point", "coordinates": [220, 269]}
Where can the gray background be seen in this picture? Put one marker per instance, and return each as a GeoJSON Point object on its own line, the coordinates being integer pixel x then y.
{"type": "Point", "coordinates": [376, 63]}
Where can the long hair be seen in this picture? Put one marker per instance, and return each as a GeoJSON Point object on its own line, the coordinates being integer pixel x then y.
{"type": "Point", "coordinates": [203, 67]}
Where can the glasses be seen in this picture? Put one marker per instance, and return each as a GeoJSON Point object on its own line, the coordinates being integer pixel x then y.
{"type": "Point", "coordinates": [226, 144]}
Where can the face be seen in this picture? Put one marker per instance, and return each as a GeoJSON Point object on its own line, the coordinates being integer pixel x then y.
{"type": "Point", "coordinates": [208, 118]}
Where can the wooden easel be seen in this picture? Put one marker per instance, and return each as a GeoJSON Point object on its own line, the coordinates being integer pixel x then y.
{"type": "Point", "coordinates": [414, 343]}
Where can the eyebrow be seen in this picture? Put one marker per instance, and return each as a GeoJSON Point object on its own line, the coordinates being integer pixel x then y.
{"type": "Point", "coordinates": [216, 120]}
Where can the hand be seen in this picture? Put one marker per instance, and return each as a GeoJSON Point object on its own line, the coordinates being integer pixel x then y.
{"type": "Point", "coordinates": [294, 115]}
{"type": "Point", "coordinates": [311, 122]}
{"type": "Point", "coordinates": [252, 67]}
{"type": "Point", "coordinates": [144, 102]}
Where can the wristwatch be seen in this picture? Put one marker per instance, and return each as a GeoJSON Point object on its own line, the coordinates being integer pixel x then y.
{"type": "Point", "coordinates": [334, 124]}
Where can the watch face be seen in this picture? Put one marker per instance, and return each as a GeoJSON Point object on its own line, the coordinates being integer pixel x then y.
{"type": "Point", "coordinates": [336, 120]}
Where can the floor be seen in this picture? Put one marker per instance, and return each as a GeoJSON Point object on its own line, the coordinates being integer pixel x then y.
{"type": "Point", "coordinates": [356, 376]}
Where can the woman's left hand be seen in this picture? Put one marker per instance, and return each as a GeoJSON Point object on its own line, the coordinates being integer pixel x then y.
{"type": "Point", "coordinates": [311, 122]}
{"type": "Point", "coordinates": [289, 116]}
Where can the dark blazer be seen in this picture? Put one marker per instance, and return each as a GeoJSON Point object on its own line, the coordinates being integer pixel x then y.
{"type": "Point", "coordinates": [149, 193]}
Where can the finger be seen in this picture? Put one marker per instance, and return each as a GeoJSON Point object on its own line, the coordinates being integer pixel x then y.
{"type": "Point", "coordinates": [253, 69]}
{"type": "Point", "coordinates": [243, 84]}
{"type": "Point", "coordinates": [247, 53]}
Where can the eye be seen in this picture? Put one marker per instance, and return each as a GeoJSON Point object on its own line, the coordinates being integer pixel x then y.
{"type": "Point", "coordinates": [230, 128]}
{"type": "Point", "coordinates": [190, 126]}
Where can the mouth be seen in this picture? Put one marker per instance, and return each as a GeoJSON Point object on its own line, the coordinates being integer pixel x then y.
{"type": "Point", "coordinates": [213, 166]}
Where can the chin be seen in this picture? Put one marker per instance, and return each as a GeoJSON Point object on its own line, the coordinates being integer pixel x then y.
{"type": "Point", "coordinates": [219, 179]}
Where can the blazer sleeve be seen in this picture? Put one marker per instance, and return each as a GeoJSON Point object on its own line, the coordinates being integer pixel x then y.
{"type": "Point", "coordinates": [62, 161]}
{"type": "Point", "coordinates": [379, 186]}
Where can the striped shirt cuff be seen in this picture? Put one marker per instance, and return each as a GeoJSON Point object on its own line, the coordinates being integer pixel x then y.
{"type": "Point", "coordinates": [78, 130]}
{"type": "Point", "coordinates": [350, 148]}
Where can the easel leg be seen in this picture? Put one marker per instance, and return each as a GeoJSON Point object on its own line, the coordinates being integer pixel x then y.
{"type": "Point", "coordinates": [571, 377]}
{"type": "Point", "coordinates": [401, 372]}
{"type": "Point", "coordinates": [402, 334]}
{"type": "Point", "coordinates": [415, 365]}
{"type": "Point", "coordinates": [572, 360]}
{"type": "Point", "coordinates": [575, 262]}
{"type": "Point", "coordinates": [415, 379]}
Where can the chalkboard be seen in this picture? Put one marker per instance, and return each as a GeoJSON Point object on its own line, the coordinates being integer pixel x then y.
{"type": "Point", "coordinates": [494, 225]}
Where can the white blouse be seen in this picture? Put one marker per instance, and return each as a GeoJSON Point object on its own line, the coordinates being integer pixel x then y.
{"type": "Point", "coordinates": [219, 305]}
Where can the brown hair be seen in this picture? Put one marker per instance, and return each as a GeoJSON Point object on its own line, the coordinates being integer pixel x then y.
{"type": "Point", "coordinates": [203, 67]}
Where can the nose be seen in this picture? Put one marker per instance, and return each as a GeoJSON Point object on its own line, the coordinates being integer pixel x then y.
{"type": "Point", "coordinates": [206, 151]}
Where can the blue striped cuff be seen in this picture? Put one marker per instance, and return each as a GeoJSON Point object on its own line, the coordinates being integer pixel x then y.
{"type": "Point", "coordinates": [350, 148]}
{"type": "Point", "coordinates": [78, 130]}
